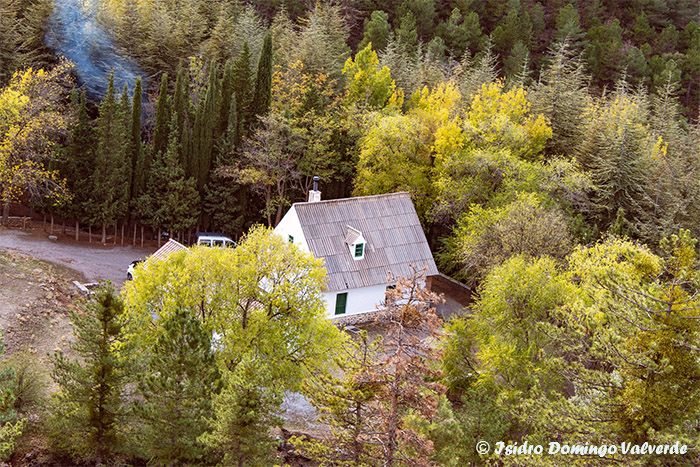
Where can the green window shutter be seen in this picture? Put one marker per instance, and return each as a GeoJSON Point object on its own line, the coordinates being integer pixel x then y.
{"type": "Point", "coordinates": [359, 250]}
{"type": "Point", "coordinates": [341, 300]}
{"type": "Point", "coordinates": [291, 239]}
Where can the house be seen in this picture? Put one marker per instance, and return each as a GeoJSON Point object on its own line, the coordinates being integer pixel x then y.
{"type": "Point", "coordinates": [362, 241]}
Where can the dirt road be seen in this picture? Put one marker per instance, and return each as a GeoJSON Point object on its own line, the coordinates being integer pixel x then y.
{"type": "Point", "coordinates": [94, 261]}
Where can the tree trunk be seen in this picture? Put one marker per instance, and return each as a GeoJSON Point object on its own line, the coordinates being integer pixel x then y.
{"type": "Point", "coordinates": [115, 233]}
{"type": "Point", "coordinates": [44, 224]}
{"type": "Point", "coordinates": [64, 226]}
{"type": "Point", "coordinates": [51, 228]}
{"type": "Point", "coordinates": [6, 214]}
{"type": "Point", "coordinates": [104, 233]}
{"type": "Point", "coordinates": [90, 233]}
{"type": "Point", "coordinates": [122, 234]}
{"type": "Point", "coordinates": [134, 243]}
{"type": "Point", "coordinates": [77, 231]}
{"type": "Point", "coordinates": [158, 235]}
{"type": "Point", "coordinates": [141, 236]}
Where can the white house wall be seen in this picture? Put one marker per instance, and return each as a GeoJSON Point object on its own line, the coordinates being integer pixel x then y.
{"type": "Point", "coordinates": [359, 300]}
{"type": "Point", "coordinates": [290, 225]}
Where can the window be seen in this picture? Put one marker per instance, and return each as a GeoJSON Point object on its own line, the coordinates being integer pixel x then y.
{"type": "Point", "coordinates": [341, 301]}
{"type": "Point", "coordinates": [359, 250]}
{"type": "Point", "coordinates": [291, 239]}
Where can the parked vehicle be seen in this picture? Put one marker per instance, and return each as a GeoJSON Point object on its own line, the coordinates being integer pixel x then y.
{"type": "Point", "coordinates": [215, 240]}
{"type": "Point", "coordinates": [130, 269]}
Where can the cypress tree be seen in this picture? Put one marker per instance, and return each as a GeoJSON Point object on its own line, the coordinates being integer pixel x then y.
{"type": "Point", "coordinates": [160, 132]}
{"type": "Point", "coordinates": [179, 108]}
{"type": "Point", "coordinates": [79, 163]}
{"type": "Point", "coordinates": [263, 80]}
{"type": "Point", "coordinates": [207, 124]}
{"type": "Point", "coordinates": [225, 107]}
{"type": "Point", "coordinates": [242, 83]}
{"type": "Point", "coordinates": [88, 409]}
{"type": "Point", "coordinates": [177, 389]}
{"type": "Point", "coordinates": [123, 165]}
{"type": "Point", "coordinates": [110, 176]}
{"type": "Point", "coordinates": [171, 200]}
{"type": "Point", "coordinates": [135, 143]}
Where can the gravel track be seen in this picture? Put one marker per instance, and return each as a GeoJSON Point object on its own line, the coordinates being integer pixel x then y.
{"type": "Point", "coordinates": [94, 261]}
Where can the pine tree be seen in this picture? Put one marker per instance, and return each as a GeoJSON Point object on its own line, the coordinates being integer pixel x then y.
{"type": "Point", "coordinates": [244, 414]}
{"type": "Point", "coordinates": [88, 409]}
{"type": "Point", "coordinates": [180, 379]}
{"type": "Point", "coordinates": [376, 31]}
{"type": "Point", "coordinates": [561, 96]}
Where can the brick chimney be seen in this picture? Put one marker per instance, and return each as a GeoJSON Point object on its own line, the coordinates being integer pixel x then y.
{"type": "Point", "coordinates": [315, 195]}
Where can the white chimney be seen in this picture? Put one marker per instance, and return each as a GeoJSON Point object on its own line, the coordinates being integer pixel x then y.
{"type": "Point", "coordinates": [315, 195]}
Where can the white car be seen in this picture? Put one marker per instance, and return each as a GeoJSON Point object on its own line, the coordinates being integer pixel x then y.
{"type": "Point", "coordinates": [130, 269]}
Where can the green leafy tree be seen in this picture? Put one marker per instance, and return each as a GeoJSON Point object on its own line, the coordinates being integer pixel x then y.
{"type": "Point", "coordinates": [602, 344]}
{"type": "Point", "coordinates": [33, 118]}
{"type": "Point", "coordinates": [263, 299]}
{"type": "Point", "coordinates": [77, 168]}
{"type": "Point", "coordinates": [89, 408]}
{"type": "Point", "coordinates": [369, 86]}
{"type": "Point", "coordinates": [134, 148]}
{"type": "Point", "coordinates": [487, 237]}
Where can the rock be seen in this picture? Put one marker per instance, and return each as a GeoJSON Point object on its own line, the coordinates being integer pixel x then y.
{"type": "Point", "coordinates": [53, 238]}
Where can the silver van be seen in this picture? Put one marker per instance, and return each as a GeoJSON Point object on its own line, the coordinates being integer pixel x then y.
{"type": "Point", "coordinates": [213, 240]}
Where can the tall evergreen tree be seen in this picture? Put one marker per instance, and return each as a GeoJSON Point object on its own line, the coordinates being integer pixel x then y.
{"type": "Point", "coordinates": [160, 132]}
{"type": "Point", "coordinates": [78, 167]}
{"type": "Point", "coordinates": [111, 175]}
{"type": "Point", "coordinates": [135, 140]}
{"type": "Point", "coordinates": [171, 200]}
{"type": "Point", "coordinates": [88, 409]}
{"type": "Point", "coordinates": [177, 388]}
{"type": "Point", "coordinates": [263, 80]}
{"type": "Point", "coordinates": [204, 129]}
{"type": "Point", "coordinates": [561, 96]}
{"type": "Point", "coordinates": [242, 84]}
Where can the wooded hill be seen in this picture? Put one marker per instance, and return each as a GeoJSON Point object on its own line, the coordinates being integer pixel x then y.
{"type": "Point", "coordinates": [551, 151]}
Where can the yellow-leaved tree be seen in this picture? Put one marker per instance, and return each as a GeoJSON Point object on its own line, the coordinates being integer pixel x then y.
{"type": "Point", "coordinates": [33, 115]}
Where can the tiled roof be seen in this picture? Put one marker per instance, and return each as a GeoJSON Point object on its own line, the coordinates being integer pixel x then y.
{"type": "Point", "coordinates": [170, 247]}
{"type": "Point", "coordinates": [388, 223]}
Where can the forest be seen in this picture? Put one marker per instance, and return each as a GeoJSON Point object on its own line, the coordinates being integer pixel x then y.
{"type": "Point", "coordinates": [551, 150]}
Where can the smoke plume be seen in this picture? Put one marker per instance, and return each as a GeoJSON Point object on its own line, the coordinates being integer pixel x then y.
{"type": "Point", "coordinates": [73, 31]}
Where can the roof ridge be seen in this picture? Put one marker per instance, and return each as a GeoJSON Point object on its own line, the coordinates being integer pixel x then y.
{"type": "Point", "coordinates": [353, 198]}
